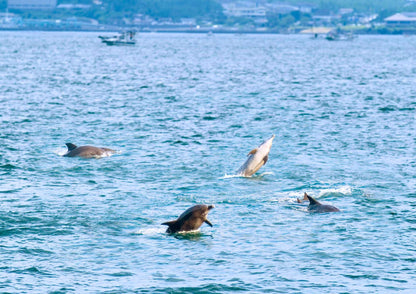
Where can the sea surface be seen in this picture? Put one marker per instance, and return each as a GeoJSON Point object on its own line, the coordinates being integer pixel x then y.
{"type": "Point", "coordinates": [183, 111]}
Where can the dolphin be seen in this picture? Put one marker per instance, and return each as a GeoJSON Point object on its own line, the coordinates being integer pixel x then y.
{"type": "Point", "coordinates": [190, 220]}
{"type": "Point", "coordinates": [315, 206]}
{"type": "Point", "coordinates": [256, 158]}
{"type": "Point", "coordinates": [87, 151]}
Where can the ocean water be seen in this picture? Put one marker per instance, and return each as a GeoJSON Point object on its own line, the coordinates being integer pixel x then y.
{"type": "Point", "coordinates": [183, 111]}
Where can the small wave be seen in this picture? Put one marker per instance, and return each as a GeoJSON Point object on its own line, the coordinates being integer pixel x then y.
{"type": "Point", "coordinates": [193, 232]}
{"type": "Point", "coordinates": [343, 190]}
{"type": "Point", "coordinates": [154, 231]}
{"type": "Point", "coordinates": [60, 151]}
{"type": "Point", "coordinates": [195, 235]}
{"type": "Point", "coordinates": [237, 287]}
{"type": "Point", "coordinates": [231, 176]}
{"type": "Point", "coordinates": [10, 191]}
{"type": "Point", "coordinates": [241, 176]}
{"type": "Point", "coordinates": [265, 174]}
{"type": "Point", "coordinates": [121, 274]}
{"type": "Point", "coordinates": [107, 154]}
{"type": "Point", "coordinates": [31, 270]}
{"type": "Point", "coordinates": [150, 231]}
{"type": "Point", "coordinates": [388, 108]}
{"type": "Point", "coordinates": [8, 166]}
{"type": "Point", "coordinates": [292, 196]}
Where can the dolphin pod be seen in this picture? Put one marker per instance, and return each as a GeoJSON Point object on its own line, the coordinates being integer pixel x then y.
{"type": "Point", "coordinates": [190, 220]}
{"type": "Point", "coordinates": [256, 158]}
{"type": "Point", "coordinates": [87, 151]}
{"type": "Point", "coordinates": [193, 218]}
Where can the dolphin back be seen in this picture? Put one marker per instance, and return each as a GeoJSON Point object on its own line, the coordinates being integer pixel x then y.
{"type": "Point", "coordinates": [316, 206]}
{"type": "Point", "coordinates": [87, 151]}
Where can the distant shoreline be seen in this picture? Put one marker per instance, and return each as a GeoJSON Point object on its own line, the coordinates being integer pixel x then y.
{"type": "Point", "coordinates": [383, 31]}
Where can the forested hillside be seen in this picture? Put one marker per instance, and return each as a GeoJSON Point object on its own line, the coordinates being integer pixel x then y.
{"type": "Point", "coordinates": [167, 8]}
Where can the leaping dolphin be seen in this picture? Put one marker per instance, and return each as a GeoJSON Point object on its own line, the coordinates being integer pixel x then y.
{"type": "Point", "coordinates": [315, 206]}
{"type": "Point", "coordinates": [190, 220]}
{"type": "Point", "coordinates": [256, 158]}
{"type": "Point", "coordinates": [87, 151]}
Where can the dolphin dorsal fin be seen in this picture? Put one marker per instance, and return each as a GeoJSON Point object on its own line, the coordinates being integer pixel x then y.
{"type": "Point", "coordinates": [252, 151]}
{"type": "Point", "coordinates": [312, 201]}
{"type": "Point", "coordinates": [71, 146]}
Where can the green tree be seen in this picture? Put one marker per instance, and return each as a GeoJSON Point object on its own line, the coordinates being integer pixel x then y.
{"type": "Point", "coordinates": [174, 9]}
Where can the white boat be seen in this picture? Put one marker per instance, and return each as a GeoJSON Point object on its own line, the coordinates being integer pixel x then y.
{"type": "Point", "coordinates": [122, 39]}
{"type": "Point", "coordinates": [335, 36]}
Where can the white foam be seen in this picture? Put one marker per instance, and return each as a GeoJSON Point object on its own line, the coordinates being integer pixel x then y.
{"type": "Point", "coordinates": [193, 232]}
{"type": "Point", "coordinates": [266, 173]}
{"type": "Point", "coordinates": [292, 196]}
{"type": "Point", "coordinates": [288, 196]}
{"type": "Point", "coordinates": [241, 176]}
{"type": "Point", "coordinates": [60, 151]}
{"type": "Point", "coordinates": [106, 154]}
{"type": "Point", "coordinates": [345, 190]}
{"type": "Point", "coordinates": [162, 230]}
{"type": "Point", "coordinates": [283, 200]}
{"type": "Point", "coordinates": [231, 176]}
{"type": "Point", "coordinates": [150, 231]}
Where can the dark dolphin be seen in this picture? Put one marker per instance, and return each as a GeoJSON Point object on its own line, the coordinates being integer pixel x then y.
{"type": "Point", "coordinates": [87, 151]}
{"type": "Point", "coordinates": [315, 206]}
{"type": "Point", "coordinates": [190, 220]}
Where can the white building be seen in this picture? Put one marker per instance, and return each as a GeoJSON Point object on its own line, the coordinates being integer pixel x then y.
{"type": "Point", "coordinates": [31, 4]}
{"type": "Point", "coordinates": [250, 11]}
{"type": "Point", "coordinates": [281, 8]}
{"type": "Point", "coordinates": [402, 19]}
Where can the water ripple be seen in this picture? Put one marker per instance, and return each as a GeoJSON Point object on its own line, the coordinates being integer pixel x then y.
{"type": "Point", "coordinates": [184, 110]}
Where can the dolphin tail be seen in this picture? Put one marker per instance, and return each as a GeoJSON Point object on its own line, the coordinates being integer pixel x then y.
{"type": "Point", "coordinates": [71, 146]}
{"type": "Point", "coordinates": [305, 197]}
{"type": "Point", "coordinates": [312, 201]}
{"type": "Point", "coordinates": [208, 223]}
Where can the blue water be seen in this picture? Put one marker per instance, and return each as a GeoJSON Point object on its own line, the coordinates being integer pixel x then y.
{"type": "Point", "coordinates": [183, 111]}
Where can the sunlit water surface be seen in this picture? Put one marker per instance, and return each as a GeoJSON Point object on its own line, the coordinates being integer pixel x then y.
{"type": "Point", "coordinates": [183, 111]}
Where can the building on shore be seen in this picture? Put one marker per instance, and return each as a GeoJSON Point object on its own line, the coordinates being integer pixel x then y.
{"type": "Point", "coordinates": [250, 11]}
{"type": "Point", "coordinates": [403, 19]}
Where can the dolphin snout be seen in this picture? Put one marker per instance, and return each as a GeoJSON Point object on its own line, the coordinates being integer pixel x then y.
{"type": "Point", "coordinates": [211, 206]}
